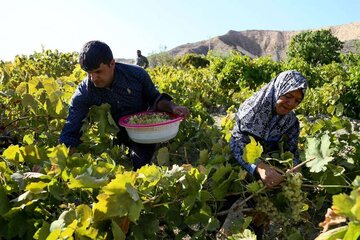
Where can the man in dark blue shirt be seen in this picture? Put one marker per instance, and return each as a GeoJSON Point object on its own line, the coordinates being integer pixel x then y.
{"type": "Point", "coordinates": [127, 88]}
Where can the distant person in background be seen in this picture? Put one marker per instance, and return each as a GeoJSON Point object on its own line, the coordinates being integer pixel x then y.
{"type": "Point", "coordinates": [127, 88]}
{"type": "Point", "coordinates": [141, 60]}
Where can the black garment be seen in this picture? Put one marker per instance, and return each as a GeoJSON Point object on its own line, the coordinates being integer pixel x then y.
{"type": "Point", "coordinates": [140, 154]}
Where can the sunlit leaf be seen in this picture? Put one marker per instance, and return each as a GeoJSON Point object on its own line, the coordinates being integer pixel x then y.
{"type": "Point", "coordinates": [13, 153]}
{"type": "Point", "coordinates": [36, 187]}
{"type": "Point", "coordinates": [59, 107]}
{"type": "Point", "coordinates": [69, 230]}
{"type": "Point", "coordinates": [115, 201]}
{"type": "Point", "coordinates": [43, 231]}
{"type": "Point", "coordinates": [356, 208]}
{"type": "Point", "coordinates": [151, 174]}
{"type": "Point", "coordinates": [84, 214]}
{"type": "Point", "coordinates": [318, 125]}
{"type": "Point", "coordinates": [28, 139]}
{"type": "Point", "coordinates": [252, 151]}
{"type": "Point", "coordinates": [33, 154]}
{"type": "Point", "coordinates": [333, 234]}
{"type": "Point", "coordinates": [54, 235]}
{"type": "Point", "coordinates": [342, 204]}
{"type": "Point", "coordinates": [49, 85]}
{"type": "Point", "coordinates": [353, 231]}
{"type": "Point", "coordinates": [22, 88]}
{"type": "Point", "coordinates": [58, 155]}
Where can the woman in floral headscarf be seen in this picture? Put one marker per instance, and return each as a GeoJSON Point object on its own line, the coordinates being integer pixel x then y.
{"type": "Point", "coordinates": [267, 116]}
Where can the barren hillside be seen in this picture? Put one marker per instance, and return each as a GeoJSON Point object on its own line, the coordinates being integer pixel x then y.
{"type": "Point", "coordinates": [272, 43]}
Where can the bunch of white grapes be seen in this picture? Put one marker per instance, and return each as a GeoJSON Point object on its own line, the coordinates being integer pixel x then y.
{"type": "Point", "coordinates": [149, 118]}
{"type": "Point", "coordinates": [266, 206]}
{"type": "Point", "coordinates": [292, 191]}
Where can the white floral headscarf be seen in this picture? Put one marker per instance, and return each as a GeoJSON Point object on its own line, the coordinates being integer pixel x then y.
{"type": "Point", "coordinates": [257, 114]}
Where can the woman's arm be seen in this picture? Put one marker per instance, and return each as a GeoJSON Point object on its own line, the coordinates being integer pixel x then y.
{"type": "Point", "coordinates": [266, 173]}
{"type": "Point", "coordinates": [237, 145]}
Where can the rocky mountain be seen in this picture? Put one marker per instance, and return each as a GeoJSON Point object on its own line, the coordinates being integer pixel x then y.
{"type": "Point", "coordinates": [255, 43]}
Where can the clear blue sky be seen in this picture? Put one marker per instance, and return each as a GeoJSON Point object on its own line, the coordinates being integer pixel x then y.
{"type": "Point", "coordinates": [151, 25]}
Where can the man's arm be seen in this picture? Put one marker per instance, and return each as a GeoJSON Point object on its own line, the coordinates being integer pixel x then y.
{"type": "Point", "coordinates": [146, 62]}
{"type": "Point", "coordinates": [165, 105]}
{"type": "Point", "coordinates": [79, 108]}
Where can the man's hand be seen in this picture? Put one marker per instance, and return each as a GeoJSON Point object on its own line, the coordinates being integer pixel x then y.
{"type": "Point", "coordinates": [270, 177]}
{"type": "Point", "coordinates": [181, 111]}
{"type": "Point", "coordinates": [170, 107]}
{"type": "Point", "coordinates": [72, 150]}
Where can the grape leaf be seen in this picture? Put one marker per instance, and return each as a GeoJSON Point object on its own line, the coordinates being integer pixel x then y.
{"type": "Point", "coordinates": [86, 181]}
{"type": "Point", "coordinates": [13, 153]}
{"type": "Point", "coordinates": [28, 139]}
{"type": "Point", "coordinates": [353, 231]}
{"type": "Point", "coordinates": [151, 174]}
{"type": "Point", "coordinates": [4, 206]}
{"type": "Point", "coordinates": [320, 151]}
{"type": "Point", "coordinates": [163, 156]}
{"type": "Point", "coordinates": [116, 231]}
{"type": "Point", "coordinates": [204, 156]}
{"type": "Point", "coordinates": [43, 231]}
{"type": "Point", "coordinates": [36, 187]}
{"type": "Point", "coordinates": [356, 208]}
{"type": "Point", "coordinates": [342, 204]}
{"type": "Point", "coordinates": [59, 106]}
{"type": "Point", "coordinates": [333, 234]}
{"type": "Point", "coordinates": [252, 151]}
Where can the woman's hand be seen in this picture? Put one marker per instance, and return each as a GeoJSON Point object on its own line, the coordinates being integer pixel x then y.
{"type": "Point", "coordinates": [270, 177]}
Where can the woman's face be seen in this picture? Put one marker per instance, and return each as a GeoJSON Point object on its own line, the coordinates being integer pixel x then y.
{"type": "Point", "coordinates": [287, 102]}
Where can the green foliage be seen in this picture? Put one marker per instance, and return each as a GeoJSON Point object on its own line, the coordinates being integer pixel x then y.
{"type": "Point", "coordinates": [239, 72]}
{"type": "Point", "coordinates": [48, 63]}
{"type": "Point", "coordinates": [351, 98]}
{"type": "Point", "coordinates": [346, 209]}
{"type": "Point", "coordinates": [315, 47]}
{"type": "Point", "coordinates": [161, 58]}
{"type": "Point", "coordinates": [93, 194]}
{"type": "Point", "coordinates": [192, 60]}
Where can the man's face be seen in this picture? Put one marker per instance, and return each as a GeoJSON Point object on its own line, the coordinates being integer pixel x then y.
{"type": "Point", "coordinates": [287, 102]}
{"type": "Point", "coordinates": [103, 76]}
{"type": "Point", "coordinates": [138, 53]}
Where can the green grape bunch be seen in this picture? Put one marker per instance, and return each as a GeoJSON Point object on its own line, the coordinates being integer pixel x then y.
{"type": "Point", "coordinates": [290, 195]}
{"type": "Point", "coordinates": [149, 118]}
{"type": "Point", "coordinates": [291, 189]}
{"type": "Point", "coordinates": [266, 206]}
